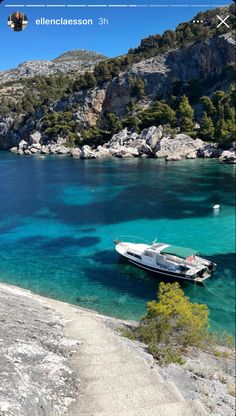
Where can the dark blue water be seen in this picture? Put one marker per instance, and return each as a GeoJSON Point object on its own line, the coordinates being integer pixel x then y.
{"type": "Point", "coordinates": [59, 217]}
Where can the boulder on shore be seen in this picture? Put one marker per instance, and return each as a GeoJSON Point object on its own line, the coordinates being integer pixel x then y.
{"type": "Point", "coordinates": [75, 152]}
{"type": "Point", "coordinates": [87, 153]}
{"type": "Point", "coordinates": [228, 156]}
{"type": "Point", "coordinates": [181, 145]}
{"type": "Point", "coordinates": [35, 138]}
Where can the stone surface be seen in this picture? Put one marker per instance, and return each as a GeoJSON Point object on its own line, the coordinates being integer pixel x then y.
{"type": "Point", "coordinates": [229, 156]}
{"type": "Point", "coordinates": [23, 144]}
{"type": "Point", "coordinates": [192, 155]}
{"type": "Point", "coordinates": [173, 157]}
{"type": "Point", "coordinates": [75, 152]}
{"type": "Point", "coordinates": [152, 135]}
{"type": "Point", "coordinates": [35, 138]}
{"type": "Point", "coordinates": [58, 359]}
{"type": "Point", "coordinates": [208, 378]}
{"type": "Point", "coordinates": [87, 153]}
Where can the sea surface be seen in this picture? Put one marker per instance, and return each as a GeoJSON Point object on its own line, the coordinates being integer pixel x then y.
{"type": "Point", "coordinates": [59, 217]}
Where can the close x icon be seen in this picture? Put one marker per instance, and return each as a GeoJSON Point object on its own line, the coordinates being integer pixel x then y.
{"type": "Point", "coordinates": [222, 21]}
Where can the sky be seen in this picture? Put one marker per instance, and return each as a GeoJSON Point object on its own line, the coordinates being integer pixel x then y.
{"type": "Point", "coordinates": [126, 26]}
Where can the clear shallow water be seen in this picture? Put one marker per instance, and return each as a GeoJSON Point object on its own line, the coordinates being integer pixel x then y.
{"type": "Point", "coordinates": [59, 217]}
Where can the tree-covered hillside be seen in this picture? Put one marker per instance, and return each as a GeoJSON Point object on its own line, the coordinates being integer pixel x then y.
{"type": "Point", "coordinates": [81, 106]}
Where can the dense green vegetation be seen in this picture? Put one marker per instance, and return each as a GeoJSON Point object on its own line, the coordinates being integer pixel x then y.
{"type": "Point", "coordinates": [60, 124]}
{"type": "Point", "coordinates": [172, 324]}
{"type": "Point", "coordinates": [217, 120]}
{"type": "Point", "coordinates": [182, 107]}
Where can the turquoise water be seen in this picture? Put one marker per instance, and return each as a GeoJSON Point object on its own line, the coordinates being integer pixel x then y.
{"type": "Point", "coordinates": [59, 217]}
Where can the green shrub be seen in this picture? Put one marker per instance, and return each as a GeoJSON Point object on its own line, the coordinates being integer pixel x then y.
{"type": "Point", "coordinates": [173, 323]}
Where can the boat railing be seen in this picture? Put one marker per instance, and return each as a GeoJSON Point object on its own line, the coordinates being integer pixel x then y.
{"type": "Point", "coordinates": [133, 239]}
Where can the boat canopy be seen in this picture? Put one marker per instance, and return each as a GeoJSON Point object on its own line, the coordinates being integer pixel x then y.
{"type": "Point", "coordinates": [178, 251]}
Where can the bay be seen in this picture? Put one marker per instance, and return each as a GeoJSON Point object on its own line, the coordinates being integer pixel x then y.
{"type": "Point", "coordinates": [59, 217]}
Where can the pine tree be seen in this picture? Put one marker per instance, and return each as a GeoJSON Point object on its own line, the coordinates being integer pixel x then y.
{"type": "Point", "coordinates": [185, 115]}
{"type": "Point", "coordinates": [131, 122]}
{"type": "Point", "coordinates": [158, 113]}
{"type": "Point", "coordinates": [206, 127]}
{"type": "Point", "coordinates": [112, 123]}
{"type": "Point", "coordinates": [222, 132]}
{"type": "Point", "coordinates": [208, 106]}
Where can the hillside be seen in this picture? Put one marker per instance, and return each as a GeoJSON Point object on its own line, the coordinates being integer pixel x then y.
{"type": "Point", "coordinates": [145, 87]}
{"type": "Point", "coordinates": [69, 62]}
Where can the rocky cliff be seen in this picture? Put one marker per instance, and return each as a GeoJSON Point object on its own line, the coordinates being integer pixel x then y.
{"type": "Point", "coordinates": [198, 61]}
{"type": "Point", "coordinates": [87, 101]}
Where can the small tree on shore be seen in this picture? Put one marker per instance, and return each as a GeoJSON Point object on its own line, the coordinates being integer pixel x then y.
{"type": "Point", "coordinates": [173, 323]}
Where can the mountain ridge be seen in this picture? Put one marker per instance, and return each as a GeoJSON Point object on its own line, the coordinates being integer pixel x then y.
{"type": "Point", "coordinates": [75, 108]}
{"type": "Point", "coordinates": [69, 62]}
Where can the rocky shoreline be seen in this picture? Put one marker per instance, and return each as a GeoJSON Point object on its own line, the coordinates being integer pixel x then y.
{"type": "Point", "coordinates": [153, 142]}
{"type": "Point", "coordinates": [58, 359]}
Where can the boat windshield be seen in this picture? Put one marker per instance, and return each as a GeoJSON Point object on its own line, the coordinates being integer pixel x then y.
{"type": "Point", "coordinates": [158, 245]}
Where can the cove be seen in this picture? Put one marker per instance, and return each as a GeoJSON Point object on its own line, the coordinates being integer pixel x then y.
{"type": "Point", "coordinates": [59, 217]}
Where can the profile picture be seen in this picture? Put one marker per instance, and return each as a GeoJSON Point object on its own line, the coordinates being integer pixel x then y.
{"type": "Point", "coordinates": [17, 21]}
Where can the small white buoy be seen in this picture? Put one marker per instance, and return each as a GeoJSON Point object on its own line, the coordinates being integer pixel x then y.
{"type": "Point", "coordinates": [216, 207]}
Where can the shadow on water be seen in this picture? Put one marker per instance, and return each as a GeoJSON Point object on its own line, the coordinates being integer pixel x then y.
{"type": "Point", "coordinates": [117, 273]}
{"type": "Point", "coordinates": [61, 243]}
{"type": "Point", "coordinates": [57, 244]}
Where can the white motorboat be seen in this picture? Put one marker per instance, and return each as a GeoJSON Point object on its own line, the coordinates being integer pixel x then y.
{"type": "Point", "coordinates": [167, 260]}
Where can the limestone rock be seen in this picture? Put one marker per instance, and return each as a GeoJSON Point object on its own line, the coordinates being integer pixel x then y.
{"type": "Point", "coordinates": [181, 145]}
{"type": "Point", "coordinates": [192, 155]}
{"type": "Point", "coordinates": [23, 144]}
{"type": "Point", "coordinates": [145, 149]}
{"type": "Point", "coordinates": [58, 149]}
{"type": "Point", "coordinates": [152, 135]}
{"type": "Point", "coordinates": [173, 157]}
{"type": "Point", "coordinates": [44, 150]}
{"type": "Point", "coordinates": [34, 150]}
{"type": "Point", "coordinates": [210, 151]}
{"type": "Point", "coordinates": [75, 152]}
{"type": "Point", "coordinates": [119, 138]}
{"type": "Point", "coordinates": [35, 138]}
{"type": "Point", "coordinates": [228, 156]}
{"type": "Point", "coordinates": [101, 152]}
{"type": "Point", "coordinates": [87, 153]}
{"type": "Point", "coordinates": [14, 149]}
{"type": "Point", "coordinates": [125, 152]}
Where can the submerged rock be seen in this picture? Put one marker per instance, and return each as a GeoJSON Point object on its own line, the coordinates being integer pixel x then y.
{"type": "Point", "coordinates": [173, 157]}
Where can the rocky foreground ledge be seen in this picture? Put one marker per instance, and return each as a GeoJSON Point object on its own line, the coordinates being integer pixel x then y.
{"type": "Point", "coordinates": [153, 142]}
{"type": "Point", "coordinates": [58, 359]}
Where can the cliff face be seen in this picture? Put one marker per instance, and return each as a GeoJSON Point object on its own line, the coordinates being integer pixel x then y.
{"type": "Point", "coordinates": [199, 61]}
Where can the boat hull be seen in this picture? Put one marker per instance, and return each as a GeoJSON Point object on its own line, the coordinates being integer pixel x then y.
{"type": "Point", "coordinates": [166, 273]}
{"type": "Point", "coordinates": [126, 250]}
